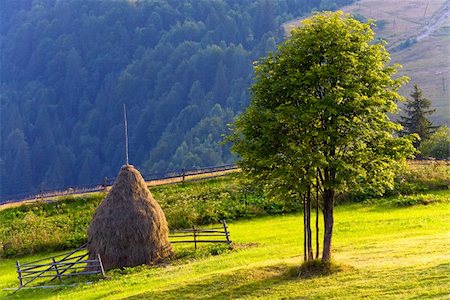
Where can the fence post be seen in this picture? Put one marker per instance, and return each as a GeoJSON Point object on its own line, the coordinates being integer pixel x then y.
{"type": "Point", "coordinates": [183, 174]}
{"type": "Point", "coordinates": [105, 183]}
{"type": "Point", "coordinates": [56, 269]}
{"type": "Point", "coordinates": [101, 265]}
{"type": "Point", "coordinates": [19, 273]}
{"type": "Point", "coordinates": [195, 238]}
{"type": "Point", "coordinates": [225, 228]}
{"type": "Point", "coordinates": [42, 190]}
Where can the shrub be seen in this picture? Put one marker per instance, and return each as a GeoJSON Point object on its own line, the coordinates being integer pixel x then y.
{"type": "Point", "coordinates": [210, 201]}
{"type": "Point", "coordinates": [405, 44]}
{"type": "Point", "coordinates": [437, 145]}
{"type": "Point", "coordinates": [62, 225]}
{"type": "Point", "coordinates": [415, 177]}
{"type": "Point", "coordinates": [411, 200]}
{"type": "Point", "coordinates": [420, 177]}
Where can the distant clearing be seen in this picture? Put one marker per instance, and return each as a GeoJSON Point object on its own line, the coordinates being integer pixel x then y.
{"type": "Point", "coordinates": [418, 36]}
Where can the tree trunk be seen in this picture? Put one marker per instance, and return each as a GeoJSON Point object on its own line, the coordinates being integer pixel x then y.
{"type": "Point", "coordinates": [328, 203]}
{"type": "Point", "coordinates": [305, 255]}
{"type": "Point", "coordinates": [308, 224]}
{"type": "Point", "coordinates": [317, 218]}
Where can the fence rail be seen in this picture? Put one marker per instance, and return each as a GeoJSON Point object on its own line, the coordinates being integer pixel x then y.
{"type": "Point", "coordinates": [429, 161]}
{"type": "Point", "coordinates": [109, 181]}
{"type": "Point", "coordinates": [148, 177]}
{"type": "Point", "coordinates": [74, 263]}
{"type": "Point", "coordinates": [199, 235]}
{"type": "Point", "coordinates": [56, 267]}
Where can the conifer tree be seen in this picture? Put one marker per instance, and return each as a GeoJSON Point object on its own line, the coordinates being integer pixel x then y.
{"type": "Point", "coordinates": [415, 120]}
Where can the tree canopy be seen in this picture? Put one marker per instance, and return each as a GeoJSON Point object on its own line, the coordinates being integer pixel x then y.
{"type": "Point", "coordinates": [318, 115]}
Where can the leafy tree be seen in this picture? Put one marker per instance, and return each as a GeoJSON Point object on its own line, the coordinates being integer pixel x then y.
{"type": "Point", "coordinates": [437, 145]}
{"type": "Point", "coordinates": [415, 120]}
{"type": "Point", "coordinates": [318, 117]}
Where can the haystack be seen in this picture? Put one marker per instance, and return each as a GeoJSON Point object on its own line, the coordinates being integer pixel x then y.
{"type": "Point", "coordinates": [129, 227]}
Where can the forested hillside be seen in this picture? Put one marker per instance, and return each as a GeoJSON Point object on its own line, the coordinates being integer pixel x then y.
{"type": "Point", "coordinates": [183, 69]}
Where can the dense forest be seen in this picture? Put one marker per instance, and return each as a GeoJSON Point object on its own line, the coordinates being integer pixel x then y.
{"type": "Point", "coordinates": [183, 69]}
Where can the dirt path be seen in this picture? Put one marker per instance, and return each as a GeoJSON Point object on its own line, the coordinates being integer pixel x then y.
{"type": "Point", "coordinates": [423, 30]}
{"type": "Point", "coordinates": [435, 22]}
{"type": "Point", "coordinates": [150, 183]}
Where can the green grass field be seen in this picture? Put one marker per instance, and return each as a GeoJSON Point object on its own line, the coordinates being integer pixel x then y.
{"type": "Point", "coordinates": [385, 252]}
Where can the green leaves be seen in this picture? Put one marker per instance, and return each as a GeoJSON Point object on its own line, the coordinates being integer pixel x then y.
{"type": "Point", "coordinates": [438, 144]}
{"type": "Point", "coordinates": [320, 103]}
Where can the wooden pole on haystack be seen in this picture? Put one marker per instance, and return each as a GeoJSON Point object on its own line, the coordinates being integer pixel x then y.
{"type": "Point", "coordinates": [129, 227]}
{"type": "Point", "coordinates": [126, 133]}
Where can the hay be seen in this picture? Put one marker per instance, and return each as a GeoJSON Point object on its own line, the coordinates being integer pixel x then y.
{"type": "Point", "coordinates": [129, 227]}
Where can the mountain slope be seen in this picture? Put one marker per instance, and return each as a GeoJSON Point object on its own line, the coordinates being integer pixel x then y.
{"type": "Point", "coordinates": [418, 36]}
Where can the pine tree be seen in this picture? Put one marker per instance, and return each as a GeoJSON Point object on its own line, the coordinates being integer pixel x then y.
{"type": "Point", "coordinates": [415, 120]}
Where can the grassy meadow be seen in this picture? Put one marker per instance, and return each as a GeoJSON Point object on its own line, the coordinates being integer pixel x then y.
{"type": "Point", "coordinates": [393, 246]}
{"type": "Point", "coordinates": [384, 251]}
{"type": "Point", "coordinates": [62, 224]}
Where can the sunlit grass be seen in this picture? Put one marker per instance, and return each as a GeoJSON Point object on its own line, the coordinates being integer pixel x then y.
{"type": "Point", "coordinates": [385, 252]}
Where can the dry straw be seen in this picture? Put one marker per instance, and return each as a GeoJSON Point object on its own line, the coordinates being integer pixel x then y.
{"type": "Point", "coordinates": [129, 227]}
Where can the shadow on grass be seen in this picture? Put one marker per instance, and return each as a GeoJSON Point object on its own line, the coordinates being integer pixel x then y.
{"type": "Point", "coordinates": [241, 283]}
{"type": "Point", "coordinates": [317, 268]}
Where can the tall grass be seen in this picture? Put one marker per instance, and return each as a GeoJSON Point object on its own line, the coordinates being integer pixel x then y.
{"type": "Point", "coordinates": [421, 177]}
{"type": "Point", "coordinates": [46, 226]}
{"type": "Point", "coordinates": [62, 224]}
{"type": "Point", "coordinates": [207, 202]}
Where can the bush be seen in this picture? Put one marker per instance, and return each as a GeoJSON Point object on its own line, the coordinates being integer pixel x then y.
{"type": "Point", "coordinates": [210, 201]}
{"type": "Point", "coordinates": [403, 201]}
{"type": "Point", "coordinates": [62, 225]}
{"type": "Point", "coordinates": [405, 44]}
{"type": "Point", "coordinates": [421, 176]}
{"type": "Point", "coordinates": [437, 145]}
{"type": "Point", "coordinates": [411, 200]}
{"type": "Point", "coordinates": [415, 177]}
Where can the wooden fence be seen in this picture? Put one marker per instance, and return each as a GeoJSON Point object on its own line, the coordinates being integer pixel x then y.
{"type": "Point", "coordinates": [74, 263]}
{"type": "Point", "coordinates": [51, 268]}
{"type": "Point", "coordinates": [198, 235]}
{"type": "Point", "coordinates": [426, 162]}
{"type": "Point", "coordinates": [45, 192]}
